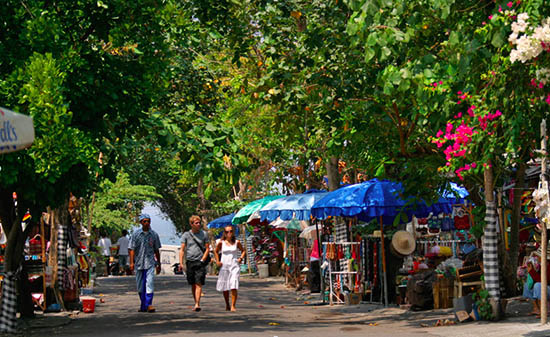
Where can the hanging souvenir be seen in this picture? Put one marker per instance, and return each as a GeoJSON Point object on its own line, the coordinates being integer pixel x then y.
{"type": "Point", "coordinates": [3, 238]}
{"type": "Point", "coordinates": [461, 218]}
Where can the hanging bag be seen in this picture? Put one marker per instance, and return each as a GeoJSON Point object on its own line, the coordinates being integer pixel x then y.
{"type": "Point", "coordinates": [202, 248]}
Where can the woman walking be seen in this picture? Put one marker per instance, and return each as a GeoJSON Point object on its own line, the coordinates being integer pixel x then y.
{"type": "Point", "coordinates": [229, 253]}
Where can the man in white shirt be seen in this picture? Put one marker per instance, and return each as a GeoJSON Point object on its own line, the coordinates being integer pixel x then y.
{"type": "Point", "coordinates": [105, 245]}
{"type": "Point", "coordinates": [123, 251]}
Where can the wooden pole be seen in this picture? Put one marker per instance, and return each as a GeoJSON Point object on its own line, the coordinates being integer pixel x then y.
{"type": "Point", "coordinates": [384, 262]}
{"type": "Point", "coordinates": [544, 237]}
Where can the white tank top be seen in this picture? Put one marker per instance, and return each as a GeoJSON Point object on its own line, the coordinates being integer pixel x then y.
{"type": "Point", "coordinates": [230, 254]}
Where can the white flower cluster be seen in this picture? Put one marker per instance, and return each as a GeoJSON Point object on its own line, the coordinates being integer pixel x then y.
{"type": "Point", "coordinates": [540, 197]}
{"type": "Point", "coordinates": [543, 75]}
{"type": "Point", "coordinates": [528, 46]}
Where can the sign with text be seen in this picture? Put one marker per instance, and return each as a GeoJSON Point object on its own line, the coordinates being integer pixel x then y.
{"type": "Point", "coordinates": [16, 131]}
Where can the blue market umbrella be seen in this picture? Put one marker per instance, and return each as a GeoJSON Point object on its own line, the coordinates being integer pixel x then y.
{"type": "Point", "coordinates": [374, 199]}
{"type": "Point", "coordinates": [296, 206]}
{"type": "Point", "coordinates": [221, 221]}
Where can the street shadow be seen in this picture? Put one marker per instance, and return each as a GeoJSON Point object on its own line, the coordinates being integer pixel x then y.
{"type": "Point", "coordinates": [260, 313]}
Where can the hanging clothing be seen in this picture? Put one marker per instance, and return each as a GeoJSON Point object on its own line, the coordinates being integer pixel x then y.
{"type": "Point", "coordinates": [228, 277]}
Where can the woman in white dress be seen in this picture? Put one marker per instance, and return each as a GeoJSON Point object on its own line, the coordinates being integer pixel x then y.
{"type": "Point", "coordinates": [229, 253]}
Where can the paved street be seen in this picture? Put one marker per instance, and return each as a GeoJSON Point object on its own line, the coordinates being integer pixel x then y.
{"type": "Point", "coordinates": [265, 308]}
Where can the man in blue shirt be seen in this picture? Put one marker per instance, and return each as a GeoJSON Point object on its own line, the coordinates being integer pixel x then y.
{"type": "Point", "coordinates": [145, 258]}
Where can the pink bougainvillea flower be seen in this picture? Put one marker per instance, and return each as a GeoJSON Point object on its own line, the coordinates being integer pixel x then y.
{"type": "Point", "coordinates": [484, 23]}
{"type": "Point", "coordinates": [459, 93]}
{"type": "Point", "coordinates": [490, 17]}
{"type": "Point", "coordinates": [471, 110]}
{"type": "Point", "coordinates": [458, 102]}
{"type": "Point", "coordinates": [439, 134]}
{"type": "Point", "coordinates": [500, 9]}
{"type": "Point", "coordinates": [440, 82]}
{"type": "Point", "coordinates": [510, 4]}
{"type": "Point", "coordinates": [474, 165]}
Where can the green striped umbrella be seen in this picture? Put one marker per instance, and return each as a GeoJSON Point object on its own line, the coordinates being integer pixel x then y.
{"type": "Point", "coordinates": [245, 212]}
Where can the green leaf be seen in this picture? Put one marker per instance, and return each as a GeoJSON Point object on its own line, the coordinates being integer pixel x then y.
{"type": "Point", "coordinates": [498, 39]}
{"type": "Point", "coordinates": [210, 127]}
{"type": "Point", "coordinates": [208, 191]}
{"type": "Point", "coordinates": [372, 39]}
{"type": "Point", "coordinates": [369, 54]}
{"type": "Point", "coordinates": [453, 38]}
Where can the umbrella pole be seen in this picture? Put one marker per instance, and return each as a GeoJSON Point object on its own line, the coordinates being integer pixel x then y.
{"type": "Point", "coordinates": [384, 263]}
{"type": "Point", "coordinates": [322, 290]}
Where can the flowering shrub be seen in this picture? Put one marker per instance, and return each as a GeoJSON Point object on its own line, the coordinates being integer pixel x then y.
{"type": "Point", "coordinates": [464, 133]}
{"type": "Point", "coordinates": [532, 42]}
{"type": "Point", "coordinates": [479, 133]}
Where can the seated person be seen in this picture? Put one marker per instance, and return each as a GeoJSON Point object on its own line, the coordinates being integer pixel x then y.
{"type": "Point", "coordinates": [532, 287]}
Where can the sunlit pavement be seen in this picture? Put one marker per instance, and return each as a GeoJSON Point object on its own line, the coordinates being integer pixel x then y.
{"type": "Point", "coordinates": [265, 308]}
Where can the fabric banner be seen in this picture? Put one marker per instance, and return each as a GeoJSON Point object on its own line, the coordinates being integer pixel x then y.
{"type": "Point", "coordinates": [490, 252]}
{"type": "Point", "coordinates": [341, 235]}
{"type": "Point", "coordinates": [61, 254]}
{"type": "Point", "coordinates": [250, 252]}
{"type": "Point", "coordinates": [8, 314]}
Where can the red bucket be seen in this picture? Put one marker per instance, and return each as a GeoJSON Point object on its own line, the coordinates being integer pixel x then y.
{"type": "Point", "coordinates": [88, 304]}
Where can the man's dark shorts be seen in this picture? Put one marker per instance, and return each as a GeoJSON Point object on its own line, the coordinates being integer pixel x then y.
{"type": "Point", "coordinates": [196, 272]}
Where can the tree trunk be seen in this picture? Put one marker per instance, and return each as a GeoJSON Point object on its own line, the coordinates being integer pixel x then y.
{"type": "Point", "coordinates": [333, 174]}
{"type": "Point", "coordinates": [510, 261]}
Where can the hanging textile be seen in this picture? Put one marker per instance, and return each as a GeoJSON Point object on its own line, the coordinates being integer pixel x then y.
{"type": "Point", "coordinates": [490, 252]}
{"type": "Point", "coordinates": [8, 314]}
{"type": "Point", "coordinates": [250, 253]}
{"type": "Point", "coordinates": [61, 254]}
{"type": "Point", "coordinates": [341, 235]}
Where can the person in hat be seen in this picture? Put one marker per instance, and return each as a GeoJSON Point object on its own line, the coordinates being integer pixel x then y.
{"type": "Point", "coordinates": [144, 249]}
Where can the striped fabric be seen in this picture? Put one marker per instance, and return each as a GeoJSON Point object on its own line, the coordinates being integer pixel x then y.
{"type": "Point", "coordinates": [341, 235]}
{"type": "Point", "coordinates": [8, 314]}
{"type": "Point", "coordinates": [251, 255]}
{"type": "Point", "coordinates": [490, 252]}
{"type": "Point", "coordinates": [61, 254]}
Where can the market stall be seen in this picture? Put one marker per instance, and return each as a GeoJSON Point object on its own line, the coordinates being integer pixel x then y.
{"type": "Point", "coordinates": [243, 216]}
{"type": "Point", "coordinates": [377, 202]}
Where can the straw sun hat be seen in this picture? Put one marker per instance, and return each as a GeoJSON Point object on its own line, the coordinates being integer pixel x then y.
{"type": "Point", "coordinates": [403, 243]}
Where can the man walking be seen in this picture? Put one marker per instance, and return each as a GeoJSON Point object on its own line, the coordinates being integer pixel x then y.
{"type": "Point", "coordinates": [145, 258]}
{"type": "Point", "coordinates": [196, 248]}
{"type": "Point", "coordinates": [122, 243]}
{"type": "Point", "coordinates": [105, 245]}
